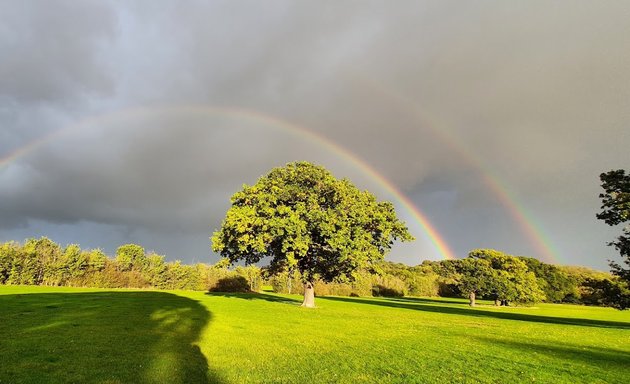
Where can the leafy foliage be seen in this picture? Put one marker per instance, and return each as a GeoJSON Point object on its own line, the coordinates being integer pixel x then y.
{"type": "Point", "coordinates": [130, 256]}
{"type": "Point", "coordinates": [43, 262]}
{"type": "Point", "coordinates": [494, 273]}
{"type": "Point", "coordinates": [305, 219]}
{"type": "Point", "coordinates": [231, 284]}
{"type": "Point", "coordinates": [606, 292]}
{"type": "Point", "coordinates": [557, 285]}
{"type": "Point", "coordinates": [73, 266]}
{"type": "Point", "coordinates": [475, 276]}
{"type": "Point", "coordinates": [616, 210]}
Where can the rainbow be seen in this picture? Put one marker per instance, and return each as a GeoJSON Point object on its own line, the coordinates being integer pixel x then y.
{"type": "Point", "coordinates": [434, 237]}
{"type": "Point", "coordinates": [528, 224]}
{"type": "Point", "coordinates": [26, 149]}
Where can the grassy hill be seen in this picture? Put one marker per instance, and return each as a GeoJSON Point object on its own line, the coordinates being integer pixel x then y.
{"type": "Point", "coordinates": [66, 335]}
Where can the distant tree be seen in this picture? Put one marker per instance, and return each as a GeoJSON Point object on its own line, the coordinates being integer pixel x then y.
{"type": "Point", "coordinates": [8, 253]}
{"type": "Point", "coordinates": [302, 217]}
{"type": "Point", "coordinates": [513, 281]}
{"type": "Point", "coordinates": [288, 281]}
{"type": "Point", "coordinates": [475, 278]}
{"type": "Point", "coordinates": [584, 278]}
{"type": "Point", "coordinates": [76, 263]}
{"type": "Point", "coordinates": [252, 274]}
{"type": "Point", "coordinates": [608, 292]}
{"type": "Point", "coordinates": [580, 273]}
{"type": "Point", "coordinates": [154, 270]}
{"type": "Point", "coordinates": [492, 273]}
{"type": "Point", "coordinates": [42, 262]}
{"type": "Point", "coordinates": [448, 276]}
{"type": "Point", "coordinates": [181, 276]}
{"type": "Point", "coordinates": [616, 210]}
{"type": "Point", "coordinates": [420, 280]}
{"type": "Point", "coordinates": [96, 260]}
{"type": "Point", "coordinates": [130, 256]}
{"type": "Point", "coordinates": [557, 285]}
{"type": "Point", "coordinates": [387, 285]}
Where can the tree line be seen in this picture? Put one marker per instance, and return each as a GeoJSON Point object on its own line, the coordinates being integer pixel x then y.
{"type": "Point", "coordinates": [485, 273]}
{"type": "Point", "coordinates": [44, 262]}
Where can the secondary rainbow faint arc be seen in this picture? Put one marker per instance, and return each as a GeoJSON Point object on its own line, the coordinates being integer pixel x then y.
{"type": "Point", "coordinates": [25, 149]}
{"type": "Point", "coordinates": [525, 221]}
{"type": "Point", "coordinates": [436, 239]}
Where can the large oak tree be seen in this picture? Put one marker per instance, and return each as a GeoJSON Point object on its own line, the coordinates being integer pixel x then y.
{"type": "Point", "coordinates": [303, 218]}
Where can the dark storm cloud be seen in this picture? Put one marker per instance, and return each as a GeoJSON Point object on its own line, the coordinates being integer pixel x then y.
{"type": "Point", "coordinates": [436, 96]}
{"type": "Point", "coordinates": [52, 50]}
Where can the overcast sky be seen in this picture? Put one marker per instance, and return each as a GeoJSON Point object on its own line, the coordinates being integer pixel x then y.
{"type": "Point", "coordinates": [135, 121]}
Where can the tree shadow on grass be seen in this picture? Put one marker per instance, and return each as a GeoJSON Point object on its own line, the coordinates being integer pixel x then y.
{"type": "Point", "coordinates": [594, 356]}
{"type": "Point", "coordinates": [258, 296]}
{"type": "Point", "coordinates": [428, 300]}
{"type": "Point", "coordinates": [102, 337]}
{"type": "Point", "coordinates": [477, 312]}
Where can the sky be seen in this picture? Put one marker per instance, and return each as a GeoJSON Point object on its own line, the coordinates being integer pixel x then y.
{"type": "Point", "coordinates": [486, 123]}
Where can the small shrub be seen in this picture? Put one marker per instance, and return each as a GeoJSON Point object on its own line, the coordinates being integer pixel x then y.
{"type": "Point", "coordinates": [234, 283]}
{"type": "Point", "coordinates": [383, 291]}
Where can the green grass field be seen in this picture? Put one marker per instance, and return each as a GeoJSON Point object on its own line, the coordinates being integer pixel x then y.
{"type": "Point", "coordinates": [64, 335]}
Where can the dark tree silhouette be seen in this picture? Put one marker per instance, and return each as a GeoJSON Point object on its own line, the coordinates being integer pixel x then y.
{"type": "Point", "coordinates": [615, 211]}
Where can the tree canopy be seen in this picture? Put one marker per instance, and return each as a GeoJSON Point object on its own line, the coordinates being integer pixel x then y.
{"type": "Point", "coordinates": [130, 256]}
{"type": "Point", "coordinates": [616, 210]}
{"type": "Point", "coordinates": [305, 219]}
{"type": "Point", "coordinates": [494, 273]}
{"type": "Point", "coordinates": [556, 284]}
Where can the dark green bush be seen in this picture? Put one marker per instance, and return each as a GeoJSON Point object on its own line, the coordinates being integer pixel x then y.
{"type": "Point", "coordinates": [231, 284]}
{"type": "Point", "coordinates": [383, 291]}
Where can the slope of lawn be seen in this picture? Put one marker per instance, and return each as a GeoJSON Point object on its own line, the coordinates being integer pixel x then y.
{"type": "Point", "coordinates": [64, 335]}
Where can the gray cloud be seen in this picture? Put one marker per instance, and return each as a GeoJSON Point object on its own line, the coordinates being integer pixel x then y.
{"type": "Point", "coordinates": [436, 96]}
{"type": "Point", "coordinates": [52, 50]}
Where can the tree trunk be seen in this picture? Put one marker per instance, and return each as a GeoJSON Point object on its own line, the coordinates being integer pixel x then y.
{"type": "Point", "coordinates": [309, 295]}
{"type": "Point", "coordinates": [289, 281]}
{"type": "Point", "coordinates": [471, 297]}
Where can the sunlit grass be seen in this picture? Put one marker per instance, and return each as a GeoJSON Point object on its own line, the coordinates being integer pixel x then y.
{"type": "Point", "coordinates": [71, 335]}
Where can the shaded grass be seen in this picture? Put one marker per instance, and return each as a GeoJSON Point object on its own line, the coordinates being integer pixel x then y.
{"type": "Point", "coordinates": [267, 338]}
{"type": "Point", "coordinates": [101, 337]}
